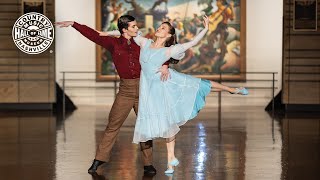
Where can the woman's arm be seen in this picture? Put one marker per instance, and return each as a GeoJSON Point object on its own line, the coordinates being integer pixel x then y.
{"type": "Point", "coordinates": [180, 48]}
{"type": "Point", "coordinates": [110, 33]}
{"type": "Point", "coordinates": [139, 39]}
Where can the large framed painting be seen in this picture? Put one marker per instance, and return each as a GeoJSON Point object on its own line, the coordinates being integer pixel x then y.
{"type": "Point", "coordinates": [221, 53]}
{"type": "Point", "coordinates": [305, 15]}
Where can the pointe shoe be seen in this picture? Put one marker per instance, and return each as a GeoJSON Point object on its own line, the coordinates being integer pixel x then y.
{"type": "Point", "coordinates": [174, 162]}
{"type": "Point", "coordinates": [169, 171]}
{"type": "Point", "coordinates": [241, 91]}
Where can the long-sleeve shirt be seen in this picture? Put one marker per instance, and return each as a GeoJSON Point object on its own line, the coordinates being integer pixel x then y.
{"type": "Point", "coordinates": [125, 55]}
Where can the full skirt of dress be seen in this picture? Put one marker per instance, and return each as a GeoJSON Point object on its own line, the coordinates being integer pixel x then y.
{"type": "Point", "coordinates": [164, 106]}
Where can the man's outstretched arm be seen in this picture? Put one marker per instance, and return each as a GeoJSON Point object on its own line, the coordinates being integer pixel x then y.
{"type": "Point", "coordinates": [89, 33]}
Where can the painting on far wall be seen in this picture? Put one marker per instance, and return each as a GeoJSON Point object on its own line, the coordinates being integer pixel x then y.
{"type": "Point", "coordinates": [222, 50]}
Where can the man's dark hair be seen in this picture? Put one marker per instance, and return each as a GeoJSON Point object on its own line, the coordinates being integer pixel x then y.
{"type": "Point", "coordinates": [123, 22]}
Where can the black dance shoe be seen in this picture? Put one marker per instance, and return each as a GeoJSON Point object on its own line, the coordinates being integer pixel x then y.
{"type": "Point", "coordinates": [150, 170]}
{"type": "Point", "coordinates": [94, 166]}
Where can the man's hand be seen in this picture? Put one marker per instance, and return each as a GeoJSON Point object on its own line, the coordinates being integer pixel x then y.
{"type": "Point", "coordinates": [165, 74]}
{"type": "Point", "coordinates": [64, 24]}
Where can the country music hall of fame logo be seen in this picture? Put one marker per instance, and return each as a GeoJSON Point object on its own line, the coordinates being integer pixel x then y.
{"type": "Point", "coordinates": [33, 33]}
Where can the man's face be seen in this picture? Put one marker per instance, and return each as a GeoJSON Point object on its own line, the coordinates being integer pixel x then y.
{"type": "Point", "coordinates": [132, 29]}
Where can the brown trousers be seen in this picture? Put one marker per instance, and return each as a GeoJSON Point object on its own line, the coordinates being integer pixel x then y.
{"type": "Point", "coordinates": [126, 99]}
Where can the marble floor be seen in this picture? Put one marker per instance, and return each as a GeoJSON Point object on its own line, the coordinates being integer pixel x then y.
{"type": "Point", "coordinates": [227, 143]}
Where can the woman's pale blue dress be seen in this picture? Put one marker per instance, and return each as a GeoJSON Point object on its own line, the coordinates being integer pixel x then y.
{"type": "Point", "coordinates": [164, 106]}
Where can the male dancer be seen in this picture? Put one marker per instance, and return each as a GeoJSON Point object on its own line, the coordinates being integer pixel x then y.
{"type": "Point", "coordinates": [125, 54]}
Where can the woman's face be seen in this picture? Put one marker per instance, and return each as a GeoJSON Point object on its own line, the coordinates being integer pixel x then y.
{"type": "Point", "coordinates": [163, 31]}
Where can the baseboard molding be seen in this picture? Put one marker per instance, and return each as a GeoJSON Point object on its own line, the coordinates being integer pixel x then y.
{"type": "Point", "coordinates": [26, 106]}
{"type": "Point", "coordinates": [302, 107]}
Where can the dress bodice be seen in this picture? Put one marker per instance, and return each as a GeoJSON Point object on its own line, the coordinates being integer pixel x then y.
{"type": "Point", "coordinates": [151, 59]}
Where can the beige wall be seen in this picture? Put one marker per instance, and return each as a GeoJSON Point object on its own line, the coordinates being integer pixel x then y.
{"type": "Point", "coordinates": [73, 51]}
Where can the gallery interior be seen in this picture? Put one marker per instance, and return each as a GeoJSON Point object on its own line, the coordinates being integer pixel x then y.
{"type": "Point", "coordinates": [55, 104]}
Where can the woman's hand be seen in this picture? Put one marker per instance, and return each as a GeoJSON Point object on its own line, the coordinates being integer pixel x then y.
{"type": "Point", "coordinates": [205, 21]}
{"type": "Point", "coordinates": [231, 4]}
{"type": "Point", "coordinates": [101, 33]}
{"type": "Point", "coordinates": [165, 74]}
{"type": "Point", "coordinates": [64, 23]}
{"type": "Point", "coordinates": [114, 33]}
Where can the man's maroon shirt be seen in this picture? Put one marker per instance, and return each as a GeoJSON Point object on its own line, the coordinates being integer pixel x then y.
{"type": "Point", "coordinates": [125, 55]}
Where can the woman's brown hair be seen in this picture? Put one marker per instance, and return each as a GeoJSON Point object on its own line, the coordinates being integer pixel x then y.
{"type": "Point", "coordinates": [171, 41]}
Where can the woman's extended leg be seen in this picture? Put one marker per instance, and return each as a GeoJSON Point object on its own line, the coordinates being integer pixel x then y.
{"type": "Point", "coordinates": [221, 87]}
